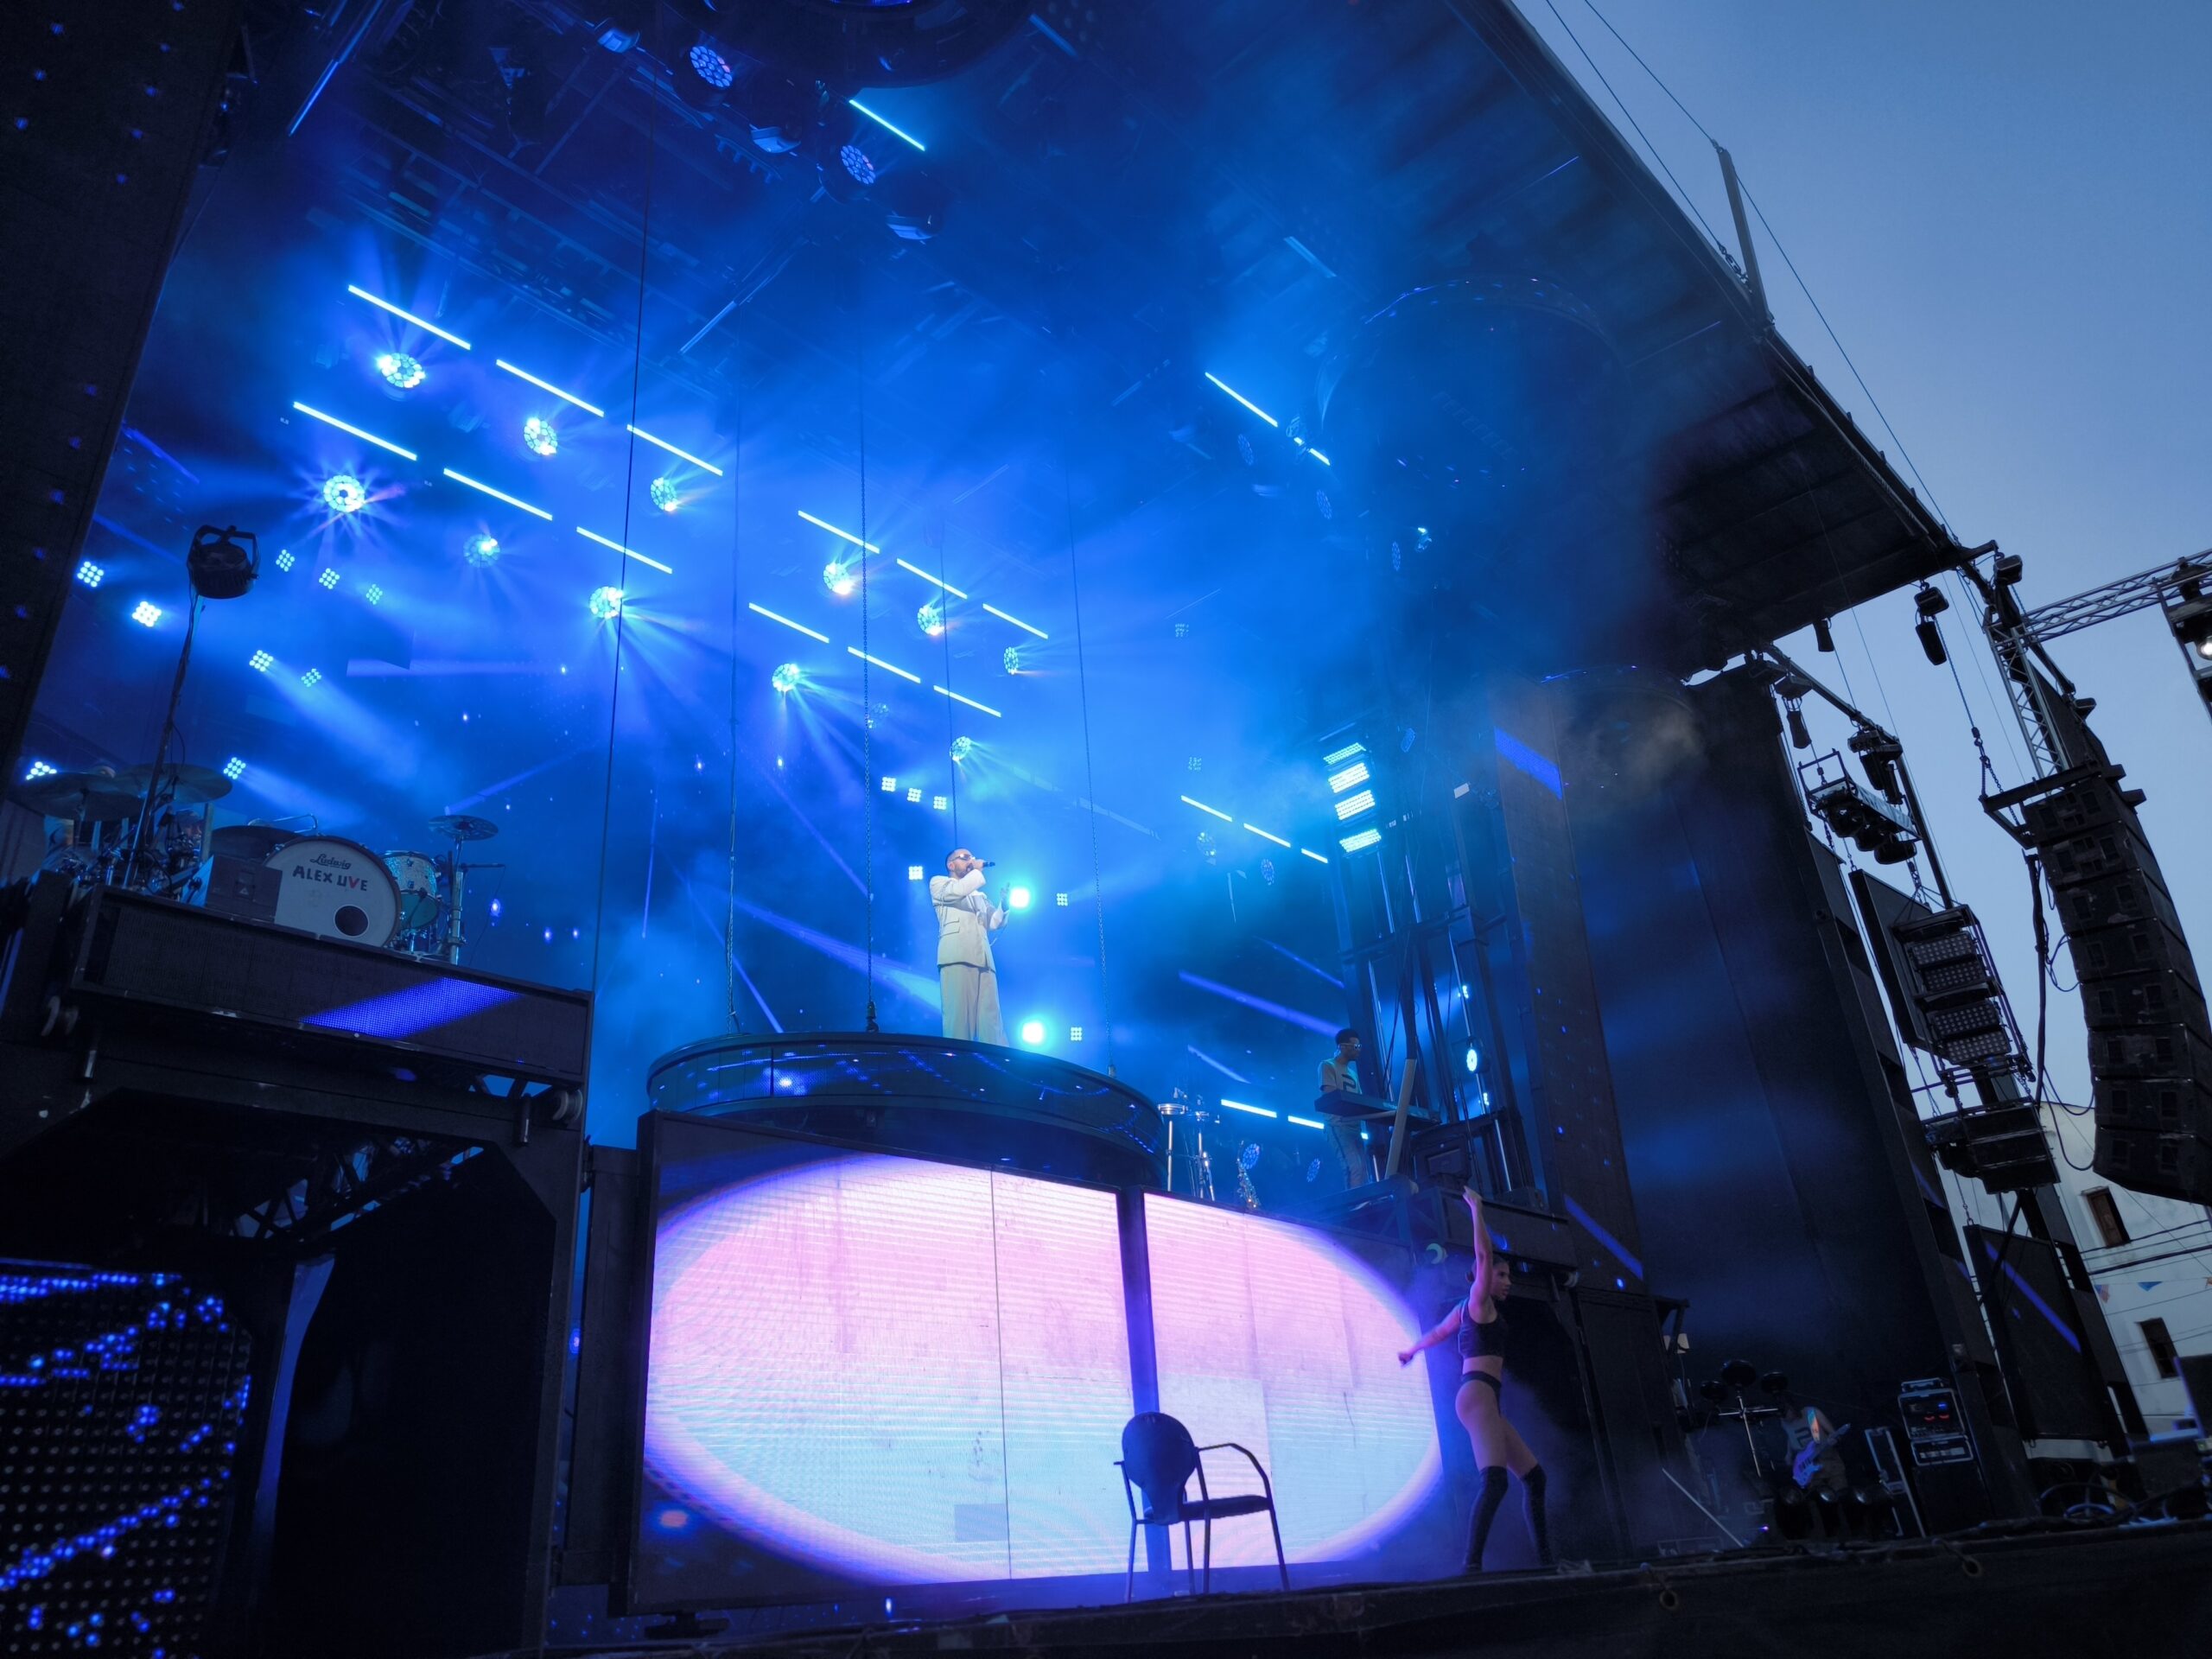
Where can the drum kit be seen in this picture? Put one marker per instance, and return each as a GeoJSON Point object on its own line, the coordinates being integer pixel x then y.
{"type": "Point", "coordinates": [135, 829]}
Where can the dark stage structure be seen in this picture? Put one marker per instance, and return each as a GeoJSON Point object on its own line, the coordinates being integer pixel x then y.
{"type": "Point", "coordinates": [534, 530]}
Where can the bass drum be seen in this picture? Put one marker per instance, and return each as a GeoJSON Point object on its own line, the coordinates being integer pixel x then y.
{"type": "Point", "coordinates": [337, 889]}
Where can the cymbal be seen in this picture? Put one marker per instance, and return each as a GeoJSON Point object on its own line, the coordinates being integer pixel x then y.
{"type": "Point", "coordinates": [90, 795]}
{"type": "Point", "coordinates": [458, 826]}
{"type": "Point", "coordinates": [252, 842]}
{"type": "Point", "coordinates": [192, 784]}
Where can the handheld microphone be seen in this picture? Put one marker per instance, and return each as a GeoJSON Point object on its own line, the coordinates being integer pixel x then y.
{"type": "Point", "coordinates": [987, 863]}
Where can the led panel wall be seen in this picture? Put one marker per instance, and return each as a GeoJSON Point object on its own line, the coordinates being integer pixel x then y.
{"type": "Point", "coordinates": [1282, 1339]}
{"type": "Point", "coordinates": [874, 1370]}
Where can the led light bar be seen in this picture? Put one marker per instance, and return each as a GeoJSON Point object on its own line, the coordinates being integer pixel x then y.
{"type": "Point", "coordinates": [1239, 1106]}
{"type": "Point", "coordinates": [800, 627]}
{"type": "Point", "coordinates": [627, 552]}
{"type": "Point", "coordinates": [1354, 773]}
{"type": "Point", "coordinates": [1344, 755]}
{"type": "Point", "coordinates": [681, 454]}
{"type": "Point", "coordinates": [1352, 806]}
{"type": "Point", "coordinates": [1017, 622]}
{"type": "Point", "coordinates": [406, 316]}
{"type": "Point", "coordinates": [894, 132]}
{"type": "Point", "coordinates": [1319, 456]}
{"type": "Point", "coordinates": [969, 701]}
{"type": "Point", "coordinates": [367, 437]}
{"type": "Point", "coordinates": [855, 650]}
{"type": "Point", "coordinates": [918, 571]}
{"type": "Point", "coordinates": [497, 495]}
{"type": "Point", "coordinates": [1311, 853]}
{"type": "Point", "coordinates": [1365, 838]}
{"type": "Point", "coordinates": [1242, 399]}
{"type": "Point", "coordinates": [1264, 836]}
{"type": "Point", "coordinates": [1202, 807]}
{"type": "Point", "coordinates": [547, 386]}
{"type": "Point", "coordinates": [1304, 1123]}
{"type": "Point", "coordinates": [843, 535]}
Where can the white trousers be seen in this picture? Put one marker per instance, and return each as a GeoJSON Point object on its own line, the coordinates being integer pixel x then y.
{"type": "Point", "coordinates": [971, 1002]}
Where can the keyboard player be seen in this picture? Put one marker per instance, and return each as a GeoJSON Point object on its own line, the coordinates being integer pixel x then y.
{"type": "Point", "coordinates": [1340, 1076]}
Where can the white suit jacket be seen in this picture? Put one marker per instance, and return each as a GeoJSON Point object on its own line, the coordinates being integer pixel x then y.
{"type": "Point", "coordinates": [966, 918]}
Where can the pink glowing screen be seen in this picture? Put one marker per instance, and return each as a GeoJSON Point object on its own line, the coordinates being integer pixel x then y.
{"type": "Point", "coordinates": [874, 1370]}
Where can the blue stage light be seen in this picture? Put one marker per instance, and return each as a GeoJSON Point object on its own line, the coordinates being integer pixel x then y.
{"type": "Point", "coordinates": [1474, 1059]}
{"type": "Point", "coordinates": [373, 593]}
{"type": "Point", "coordinates": [1315, 856]}
{"type": "Point", "coordinates": [1017, 622]}
{"type": "Point", "coordinates": [786, 677]}
{"type": "Point", "coordinates": [90, 574]}
{"type": "Point", "coordinates": [1032, 1033]}
{"type": "Point", "coordinates": [838, 578]}
{"type": "Point", "coordinates": [962, 748]}
{"type": "Point", "coordinates": [481, 549]}
{"type": "Point", "coordinates": [539, 437]}
{"type": "Point", "coordinates": [681, 454]}
{"type": "Point", "coordinates": [327, 579]}
{"type": "Point", "coordinates": [1017, 899]}
{"type": "Point", "coordinates": [284, 559]}
{"type": "Point", "coordinates": [343, 493]}
{"type": "Point", "coordinates": [38, 769]}
{"type": "Point", "coordinates": [606, 603]}
{"type": "Point", "coordinates": [665, 495]}
{"type": "Point", "coordinates": [1242, 399]}
{"type": "Point", "coordinates": [497, 495]}
{"type": "Point", "coordinates": [1256, 1111]}
{"type": "Point", "coordinates": [1365, 838]}
{"type": "Point", "coordinates": [259, 661]}
{"type": "Point", "coordinates": [405, 316]}
{"type": "Point", "coordinates": [1354, 773]}
{"type": "Point", "coordinates": [1213, 810]}
{"type": "Point", "coordinates": [854, 651]}
{"type": "Point", "coordinates": [857, 163]}
{"type": "Point", "coordinates": [313, 676]}
{"type": "Point", "coordinates": [352, 430]}
{"type": "Point", "coordinates": [931, 618]}
{"type": "Point", "coordinates": [234, 769]}
{"type": "Point", "coordinates": [711, 67]}
{"type": "Point", "coordinates": [547, 386]}
{"type": "Point", "coordinates": [937, 581]}
{"type": "Point", "coordinates": [969, 703]}
{"type": "Point", "coordinates": [842, 534]}
{"type": "Point", "coordinates": [146, 613]}
{"type": "Point", "coordinates": [401, 371]}
{"type": "Point", "coordinates": [1010, 659]}
{"type": "Point", "coordinates": [1352, 806]}
{"type": "Point", "coordinates": [627, 552]}
{"type": "Point", "coordinates": [1266, 836]}
{"type": "Point", "coordinates": [886, 126]}
{"type": "Point", "coordinates": [795, 628]}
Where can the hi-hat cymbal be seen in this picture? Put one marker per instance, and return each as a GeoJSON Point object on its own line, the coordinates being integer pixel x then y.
{"type": "Point", "coordinates": [193, 785]}
{"type": "Point", "coordinates": [92, 796]}
{"type": "Point", "coordinates": [251, 842]}
{"type": "Point", "coordinates": [458, 826]}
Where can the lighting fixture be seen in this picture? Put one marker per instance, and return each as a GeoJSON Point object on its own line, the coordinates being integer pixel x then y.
{"type": "Point", "coordinates": [1354, 773]}
{"type": "Point", "coordinates": [913, 872]}
{"type": "Point", "coordinates": [1474, 1058]}
{"type": "Point", "coordinates": [1256, 1111]}
{"type": "Point", "coordinates": [962, 748]}
{"type": "Point", "coordinates": [1017, 899]}
{"type": "Point", "coordinates": [1010, 659]}
{"type": "Point", "coordinates": [931, 618]}
{"type": "Point", "coordinates": [1303, 1123]}
{"type": "Point", "coordinates": [355, 431]}
{"type": "Point", "coordinates": [1363, 839]}
{"type": "Point", "coordinates": [260, 662]}
{"type": "Point", "coordinates": [547, 386]}
{"type": "Point", "coordinates": [1326, 461]}
{"type": "Point", "coordinates": [539, 437]}
{"type": "Point", "coordinates": [666, 496]}
{"type": "Point", "coordinates": [343, 493]}
{"type": "Point", "coordinates": [90, 574]}
{"type": "Point", "coordinates": [481, 549]}
{"type": "Point", "coordinates": [497, 495]}
{"type": "Point", "coordinates": [1061, 900]}
{"type": "Point", "coordinates": [406, 316]}
{"type": "Point", "coordinates": [401, 371]}
{"type": "Point", "coordinates": [935, 580]}
{"type": "Point", "coordinates": [605, 603]}
{"type": "Point", "coordinates": [856, 163]}
{"type": "Point", "coordinates": [939, 802]}
{"type": "Point", "coordinates": [711, 67]}
{"type": "Point", "coordinates": [284, 559]}
{"type": "Point", "coordinates": [681, 454]}
{"type": "Point", "coordinates": [843, 535]}
{"type": "Point", "coordinates": [969, 703]}
{"type": "Point", "coordinates": [1315, 856]}
{"type": "Point", "coordinates": [313, 676]}
{"type": "Point", "coordinates": [854, 651]}
{"type": "Point", "coordinates": [1352, 806]}
{"type": "Point", "coordinates": [785, 678]}
{"type": "Point", "coordinates": [38, 769]}
{"type": "Point", "coordinates": [234, 768]}
{"type": "Point", "coordinates": [1242, 399]}
{"type": "Point", "coordinates": [894, 132]}
{"type": "Point", "coordinates": [1214, 810]}
{"type": "Point", "coordinates": [1017, 622]}
{"type": "Point", "coordinates": [1075, 1034]}
{"type": "Point", "coordinates": [797, 627]}
{"type": "Point", "coordinates": [329, 579]}
{"type": "Point", "coordinates": [627, 552]}
{"type": "Point", "coordinates": [838, 578]}
{"type": "Point", "coordinates": [1264, 836]}
{"type": "Point", "coordinates": [913, 797]}
{"type": "Point", "coordinates": [146, 613]}
{"type": "Point", "coordinates": [373, 593]}
{"type": "Point", "coordinates": [891, 785]}
{"type": "Point", "coordinates": [1338, 757]}
{"type": "Point", "coordinates": [1032, 1033]}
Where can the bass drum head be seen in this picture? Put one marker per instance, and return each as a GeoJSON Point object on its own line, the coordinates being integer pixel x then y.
{"type": "Point", "coordinates": [339, 889]}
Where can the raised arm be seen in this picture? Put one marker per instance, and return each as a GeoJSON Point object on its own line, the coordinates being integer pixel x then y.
{"type": "Point", "coordinates": [1483, 1248]}
{"type": "Point", "coordinates": [1439, 1333]}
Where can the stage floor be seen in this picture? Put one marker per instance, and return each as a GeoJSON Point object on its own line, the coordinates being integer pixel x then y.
{"type": "Point", "coordinates": [2143, 1591]}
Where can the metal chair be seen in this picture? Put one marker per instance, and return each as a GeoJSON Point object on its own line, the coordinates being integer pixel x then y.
{"type": "Point", "coordinates": [1158, 1459]}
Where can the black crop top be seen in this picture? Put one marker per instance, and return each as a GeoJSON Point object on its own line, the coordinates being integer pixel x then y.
{"type": "Point", "coordinates": [1477, 1338]}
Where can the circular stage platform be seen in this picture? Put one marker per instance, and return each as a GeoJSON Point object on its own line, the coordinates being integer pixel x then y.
{"type": "Point", "coordinates": [933, 1096]}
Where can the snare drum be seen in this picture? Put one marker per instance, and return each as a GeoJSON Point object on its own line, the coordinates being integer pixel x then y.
{"type": "Point", "coordinates": [417, 876]}
{"type": "Point", "coordinates": [337, 889]}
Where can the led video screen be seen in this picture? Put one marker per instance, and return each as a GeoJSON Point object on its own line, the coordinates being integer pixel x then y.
{"type": "Point", "coordinates": [869, 1369]}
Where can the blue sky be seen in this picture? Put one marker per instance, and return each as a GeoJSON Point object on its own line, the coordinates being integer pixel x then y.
{"type": "Point", "coordinates": [2005, 210]}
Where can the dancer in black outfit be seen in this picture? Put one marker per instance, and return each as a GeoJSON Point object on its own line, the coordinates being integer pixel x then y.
{"type": "Point", "coordinates": [1478, 1324]}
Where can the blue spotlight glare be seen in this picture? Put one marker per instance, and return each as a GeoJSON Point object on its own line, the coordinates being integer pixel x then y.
{"type": "Point", "coordinates": [1032, 1033]}
{"type": "Point", "coordinates": [969, 703]}
{"type": "Point", "coordinates": [854, 651]}
{"type": "Point", "coordinates": [894, 132]}
{"type": "Point", "coordinates": [1319, 456]}
{"type": "Point", "coordinates": [146, 613]}
{"type": "Point", "coordinates": [857, 163]}
{"type": "Point", "coordinates": [1242, 399]}
{"type": "Point", "coordinates": [1256, 1111]}
{"type": "Point", "coordinates": [962, 748]}
{"type": "Point", "coordinates": [786, 677]}
{"type": "Point", "coordinates": [38, 769]}
{"type": "Point", "coordinates": [1214, 810]}
{"type": "Point", "coordinates": [405, 316]}
{"type": "Point", "coordinates": [1017, 622]}
{"type": "Point", "coordinates": [1010, 659]}
{"type": "Point", "coordinates": [355, 431]}
{"type": "Point", "coordinates": [343, 493]}
{"type": "Point", "coordinates": [401, 371]}
{"type": "Point", "coordinates": [1338, 757]}
{"type": "Point", "coordinates": [606, 603]}
{"type": "Point", "coordinates": [1352, 806]}
{"type": "Point", "coordinates": [327, 579]}
{"type": "Point", "coordinates": [90, 574]}
{"type": "Point", "coordinates": [1365, 838]}
{"type": "Point", "coordinates": [481, 549]}
{"type": "Point", "coordinates": [843, 535]}
{"type": "Point", "coordinates": [1315, 856]}
{"type": "Point", "coordinates": [234, 768]}
{"type": "Point", "coordinates": [497, 495]}
{"type": "Point", "coordinates": [373, 593]}
{"type": "Point", "coordinates": [1474, 1059]}
{"type": "Point", "coordinates": [259, 661]}
{"type": "Point", "coordinates": [312, 677]}
{"type": "Point", "coordinates": [795, 628]}
{"type": "Point", "coordinates": [1265, 836]}
{"type": "Point", "coordinates": [931, 618]}
{"type": "Point", "coordinates": [665, 495]}
{"type": "Point", "coordinates": [627, 552]}
{"type": "Point", "coordinates": [1017, 899]}
{"type": "Point", "coordinates": [284, 559]}
{"type": "Point", "coordinates": [917, 571]}
{"type": "Point", "coordinates": [539, 437]}
{"type": "Point", "coordinates": [547, 386]}
{"type": "Point", "coordinates": [711, 67]}
{"type": "Point", "coordinates": [838, 578]}
{"type": "Point", "coordinates": [681, 454]}
{"type": "Point", "coordinates": [1354, 773]}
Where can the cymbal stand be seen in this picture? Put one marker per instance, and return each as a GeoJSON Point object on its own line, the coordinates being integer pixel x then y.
{"type": "Point", "coordinates": [133, 874]}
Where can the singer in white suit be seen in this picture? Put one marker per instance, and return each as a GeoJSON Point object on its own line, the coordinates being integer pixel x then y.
{"type": "Point", "coordinates": [967, 976]}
